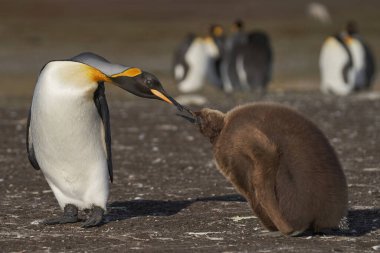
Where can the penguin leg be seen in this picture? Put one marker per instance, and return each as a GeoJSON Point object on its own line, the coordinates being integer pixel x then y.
{"type": "Point", "coordinates": [70, 215]}
{"type": "Point", "coordinates": [95, 218]}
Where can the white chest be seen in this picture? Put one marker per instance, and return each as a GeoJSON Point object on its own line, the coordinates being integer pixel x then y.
{"type": "Point", "coordinates": [67, 130]}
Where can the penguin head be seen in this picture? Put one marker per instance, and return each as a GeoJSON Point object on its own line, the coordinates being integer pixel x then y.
{"type": "Point", "coordinates": [133, 80]}
{"type": "Point", "coordinates": [143, 84]}
{"type": "Point", "coordinates": [352, 28]}
{"type": "Point", "coordinates": [210, 122]}
{"type": "Point", "coordinates": [216, 31]}
{"type": "Point", "coordinates": [237, 26]}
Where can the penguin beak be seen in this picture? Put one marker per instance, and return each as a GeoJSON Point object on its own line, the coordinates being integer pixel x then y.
{"type": "Point", "coordinates": [135, 87]}
{"type": "Point", "coordinates": [192, 117]}
{"type": "Point", "coordinates": [162, 95]}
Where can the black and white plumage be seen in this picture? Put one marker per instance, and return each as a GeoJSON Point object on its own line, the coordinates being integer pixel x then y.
{"type": "Point", "coordinates": [346, 63]}
{"type": "Point", "coordinates": [180, 66]}
{"type": "Point", "coordinates": [364, 81]}
{"type": "Point", "coordinates": [254, 62]}
{"type": "Point", "coordinates": [337, 67]}
{"type": "Point", "coordinates": [246, 61]}
{"type": "Point", "coordinates": [228, 67]}
{"type": "Point", "coordinates": [194, 62]}
{"type": "Point", "coordinates": [68, 131]}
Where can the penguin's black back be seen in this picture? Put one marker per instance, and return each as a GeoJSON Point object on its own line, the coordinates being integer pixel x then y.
{"type": "Point", "coordinates": [258, 57]}
{"type": "Point", "coordinates": [180, 54]}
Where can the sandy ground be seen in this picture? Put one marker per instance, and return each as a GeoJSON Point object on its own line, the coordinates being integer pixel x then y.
{"type": "Point", "coordinates": [167, 194]}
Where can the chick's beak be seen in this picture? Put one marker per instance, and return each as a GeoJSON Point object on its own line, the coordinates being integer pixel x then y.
{"type": "Point", "coordinates": [189, 115]}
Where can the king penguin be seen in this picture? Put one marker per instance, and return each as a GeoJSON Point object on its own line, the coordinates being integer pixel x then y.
{"type": "Point", "coordinates": [68, 130]}
{"type": "Point", "coordinates": [193, 60]}
{"type": "Point", "coordinates": [247, 60]}
{"type": "Point", "coordinates": [337, 65]}
{"type": "Point", "coordinates": [366, 60]}
{"type": "Point", "coordinates": [346, 62]}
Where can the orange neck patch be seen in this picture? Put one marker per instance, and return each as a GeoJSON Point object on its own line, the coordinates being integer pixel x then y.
{"type": "Point", "coordinates": [218, 31]}
{"type": "Point", "coordinates": [97, 76]}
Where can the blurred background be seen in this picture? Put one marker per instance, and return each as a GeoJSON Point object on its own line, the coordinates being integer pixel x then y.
{"type": "Point", "coordinates": [145, 33]}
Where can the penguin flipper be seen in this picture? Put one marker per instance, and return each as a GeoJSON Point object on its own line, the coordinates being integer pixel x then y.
{"type": "Point", "coordinates": [102, 106]}
{"type": "Point", "coordinates": [370, 65]}
{"type": "Point", "coordinates": [29, 144]}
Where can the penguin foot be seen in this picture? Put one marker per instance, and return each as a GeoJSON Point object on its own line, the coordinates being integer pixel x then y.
{"type": "Point", "coordinates": [95, 218]}
{"type": "Point", "coordinates": [70, 215]}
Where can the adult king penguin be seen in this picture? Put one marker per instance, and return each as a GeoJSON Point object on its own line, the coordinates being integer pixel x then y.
{"type": "Point", "coordinates": [247, 60]}
{"type": "Point", "coordinates": [366, 60]}
{"type": "Point", "coordinates": [336, 65]}
{"type": "Point", "coordinates": [193, 61]}
{"type": "Point", "coordinates": [68, 130]}
{"type": "Point", "coordinates": [346, 63]}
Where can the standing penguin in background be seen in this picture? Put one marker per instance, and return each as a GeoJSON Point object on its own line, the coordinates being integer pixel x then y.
{"type": "Point", "coordinates": [193, 61]}
{"type": "Point", "coordinates": [216, 32]}
{"type": "Point", "coordinates": [336, 66]}
{"type": "Point", "coordinates": [367, 76]}
{"type": "Point", "coordinates": [254, 62]}
{"type": "Point", "coordinates": [68, 130]}
{"type": "Point", "coordinates": [280, 162]}
{"type": "Point", "coordinates": [247, 60]}
{"type": "Point", "coordinates": [346, 63]}
{"type": "Point", "coordinates": [180, 65]}
{"type": "Point", "coordinates": [228, 70]}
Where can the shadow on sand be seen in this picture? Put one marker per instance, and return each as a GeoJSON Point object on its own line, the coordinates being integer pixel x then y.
{"type": "Point", "coordinates": [360, 221]}
{"type": "Point", "coordinates": [134, 208]}
{"type": "Point", "coordinates": [357, 223]}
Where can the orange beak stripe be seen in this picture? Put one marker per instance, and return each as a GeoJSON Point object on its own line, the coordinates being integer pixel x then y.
{"type": "Point", "coordinates": [132, 72]}
{"type": "Point", "coordinates": [160, 95]}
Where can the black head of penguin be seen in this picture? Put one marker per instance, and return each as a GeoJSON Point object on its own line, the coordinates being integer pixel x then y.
{"type": "Point", "coordinates": [237, 26]}
{"type": "Point", "coordinates": [133, 80]}
{"type": "Point", "coordinates": [352, 28]}
{"type": "Point", "coordinates": [143, 84]}
{"type": "Point", "coordinates": [216, 32]}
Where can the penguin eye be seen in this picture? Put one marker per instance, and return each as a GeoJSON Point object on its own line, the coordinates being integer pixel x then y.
{"type": "Point", "coordinates": [149, 83]}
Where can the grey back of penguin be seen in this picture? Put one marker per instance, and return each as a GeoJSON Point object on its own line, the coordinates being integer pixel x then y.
{"type": "Point", "coordinates": [281, 163]}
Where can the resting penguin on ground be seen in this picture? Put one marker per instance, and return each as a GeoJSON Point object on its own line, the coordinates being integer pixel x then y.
{"type": "Point", "coordinates": [281, 163]}
{"type": "Point", "coordinates": [68, 130]}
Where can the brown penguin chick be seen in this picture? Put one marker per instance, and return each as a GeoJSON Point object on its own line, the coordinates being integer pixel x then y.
{"type": "Point", "coordinates": [281, 163]}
